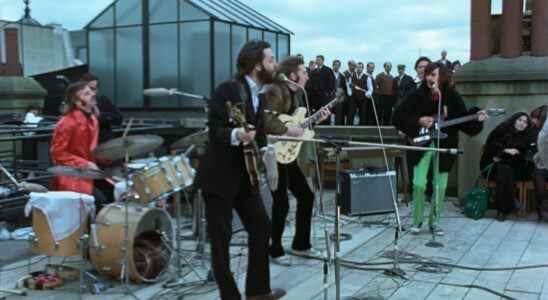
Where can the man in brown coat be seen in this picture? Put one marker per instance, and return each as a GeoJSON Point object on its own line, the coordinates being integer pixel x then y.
{"type": "Point", "coordinates": [284, 98]}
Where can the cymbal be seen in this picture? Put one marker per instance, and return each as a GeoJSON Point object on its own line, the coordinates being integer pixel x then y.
{"type": "Point", "coordinates": [77, 172]}
{"type": "Point", "coordinates": [33, 187]}
{"type": "Point", "coordinates": [198, 138]}
{"type": "Point", "coordinates": [133, 144]}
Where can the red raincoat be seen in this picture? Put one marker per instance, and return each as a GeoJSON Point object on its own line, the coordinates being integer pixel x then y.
{"type": "Point", "coordinates": [73, 140]}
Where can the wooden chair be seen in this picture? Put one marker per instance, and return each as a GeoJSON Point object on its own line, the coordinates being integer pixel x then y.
{"type": "Point", "coordinates": [528, 185]}
{"type": "Point", "coordinates": [520, 186]}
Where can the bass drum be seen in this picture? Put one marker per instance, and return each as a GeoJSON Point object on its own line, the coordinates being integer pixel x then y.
{"type": "Point", "coordinates": [150, 235]}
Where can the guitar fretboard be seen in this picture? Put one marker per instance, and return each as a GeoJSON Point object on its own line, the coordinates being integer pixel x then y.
{"type": "Point", "coordinates": [458, 121]}
{"type": "Point", "coordinates": [313, 119]}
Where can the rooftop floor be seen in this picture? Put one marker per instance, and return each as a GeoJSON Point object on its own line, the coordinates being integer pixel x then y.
{"type": "Point", "coordinates": [482, 243]}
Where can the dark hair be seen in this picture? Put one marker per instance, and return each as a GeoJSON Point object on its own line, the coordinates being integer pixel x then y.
{"type": "Point", "coordinates": [289, 65]}
{"type": "Point", "coordinates": [32, 107]}
{"type": "Point", "coordinates": [370, 63]}
{"type": "Point", "coordinates": [508, 126]}
{"type": "Point", "coordinates": [443, 74]}
{"type": "Point", "coordinates": [88, 77]}
{"type": "Point", "coordinates": [401, 66]}
{"type": "Point", "coordinates": [71, 93]}
{"type": "Point", "coordinates": [422, 58]}
{"type": "Point", "coordinates": [337, 61]}
{"type": "Point", "coordinates": [320, 56]}
{"type": "Point", "coordinates": [540, 113]}
{"type": "Point", "coordinates": [250, 55]}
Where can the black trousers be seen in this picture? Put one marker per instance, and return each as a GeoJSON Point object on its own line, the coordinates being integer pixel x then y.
{"type": "Point", "coordinates": [539, 180]}
{"type": "Point", "coordinates": [106, 188]}
{"type": "Point", "coordinates": [251, 211]}
{"type": "Point", "coordinates": [387, 103]}
{"type": "Point", "coordinates": [341, 112]}
{"type": "Point", "coordinates": [370, 119]}
{"type": "Point", "coordinates": [291, 177]}
{"type": "Point", "coordinates": [100, 199]}
{"type": "Point", "coordinates": [358, 106]}
{"type": "Point", "coordinates": [505, 191]}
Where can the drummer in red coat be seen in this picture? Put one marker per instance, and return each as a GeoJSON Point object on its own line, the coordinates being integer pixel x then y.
{"type": "Point", "coordinates": [74, 139]}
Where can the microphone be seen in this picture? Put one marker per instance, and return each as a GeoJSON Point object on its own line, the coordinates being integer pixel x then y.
{"type": "Point", "coordinates": [163, 92]}
{"type": "Point", "coordinates": [158, 92]}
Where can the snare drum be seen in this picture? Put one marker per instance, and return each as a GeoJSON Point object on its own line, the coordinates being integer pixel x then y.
{"type": "Point", "coordinates": [149, 242]}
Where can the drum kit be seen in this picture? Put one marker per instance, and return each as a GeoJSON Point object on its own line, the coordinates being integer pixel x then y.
{"type": "Point", "coordinates": [132, 239]}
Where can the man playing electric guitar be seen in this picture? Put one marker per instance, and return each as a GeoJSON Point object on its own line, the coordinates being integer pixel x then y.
{"type": "Point", "coordinates": [284, 97]}
{"type": "Point", "coordinates": [415, 113]}
{"type": "Point", "coordinates": [225, 181]}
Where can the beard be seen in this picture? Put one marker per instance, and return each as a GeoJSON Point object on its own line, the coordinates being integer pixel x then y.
{"type": "Point", "coordinates": [265, 76]}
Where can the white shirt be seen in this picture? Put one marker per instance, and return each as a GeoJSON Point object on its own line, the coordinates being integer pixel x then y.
{"type": "Point", "coordinates": [370, 87]}
{"type": "Point", "coordinates": [30, 121]}
{"type": "Point", "coordinates": [418, 81]}
{"type": "Point", "coordinates": [255, 90]}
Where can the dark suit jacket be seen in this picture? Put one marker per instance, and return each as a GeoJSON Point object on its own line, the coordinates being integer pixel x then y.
{"type": "Point", "coordinates": [109, 115]}
{"type": "Point", "coordinates": [447, 63]}
{"type": "Point", "coordinates": [222, 166]}
{"type": "Point", "coordinates": [322, 86]}
{"type": "Point", "coordinates": [420, 103]}
{"type": "Point", "coordinates": [403, 87]}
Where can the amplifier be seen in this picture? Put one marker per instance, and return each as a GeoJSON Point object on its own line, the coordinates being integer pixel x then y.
{"type": "Point", "coordinates": [367, 191]}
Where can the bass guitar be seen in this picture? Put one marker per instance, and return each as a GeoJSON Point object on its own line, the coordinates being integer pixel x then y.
{"type": "Point", "coordinates": [251, 149]}
{"type": "Point", "coordinates": [426, 135]}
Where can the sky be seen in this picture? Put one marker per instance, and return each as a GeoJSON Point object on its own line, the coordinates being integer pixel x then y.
{"type": "Point", "coordinates": [364, 30]}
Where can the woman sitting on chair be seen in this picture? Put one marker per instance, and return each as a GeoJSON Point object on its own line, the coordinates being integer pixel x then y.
{"type": "Point", "coordinates": [507, 148]}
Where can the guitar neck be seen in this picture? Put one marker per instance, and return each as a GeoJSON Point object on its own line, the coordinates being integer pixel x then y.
{"type": "Point", "coordinates": [458, 121]}
{"type": "Point", "coordinates": [313, 119]}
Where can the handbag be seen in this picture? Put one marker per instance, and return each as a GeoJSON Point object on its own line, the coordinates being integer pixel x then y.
{"type": "Point", "coordinates": [478, 197]}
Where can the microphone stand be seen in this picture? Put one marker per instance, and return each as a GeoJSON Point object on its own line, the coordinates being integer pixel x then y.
{"type": "Point", "coordinates": [433, 243]}
{"type": "Point", "coordinates": [338, 143]}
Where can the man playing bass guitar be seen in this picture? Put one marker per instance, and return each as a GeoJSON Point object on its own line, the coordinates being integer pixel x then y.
{"type": "Point", "coordinates": [284, 97]}
{"type": "Point", "coordinates": [434, 96]}
{"type": "Point", "coordinates": [225, 181]}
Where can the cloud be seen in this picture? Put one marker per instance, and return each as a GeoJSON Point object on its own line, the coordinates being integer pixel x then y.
{"type": "Point", "coordinates": [366, 30]}
{"type": "Point", "coordinates": [373, 30]}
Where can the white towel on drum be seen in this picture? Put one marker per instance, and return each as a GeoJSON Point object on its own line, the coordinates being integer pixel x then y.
{"type": "Point", "coordinates": [62, 210]}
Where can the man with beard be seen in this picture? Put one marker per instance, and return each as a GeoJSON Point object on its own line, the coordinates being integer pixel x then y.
{"type": "Point", "coordinates": [224, 180]}
{"type": "Point", "coordinates": [284, 98]}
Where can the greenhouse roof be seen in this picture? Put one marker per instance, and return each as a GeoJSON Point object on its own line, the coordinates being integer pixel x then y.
{"type": "Point", "coordinates": [232, 11]}
{"type": "Point", "coordinates": [235, 11]}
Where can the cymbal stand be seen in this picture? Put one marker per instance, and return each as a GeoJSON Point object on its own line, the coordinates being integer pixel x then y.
{"type": "Point", "coordinates": [178, 279]}
{"type": "Point", "coordinates": [125, 273]}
